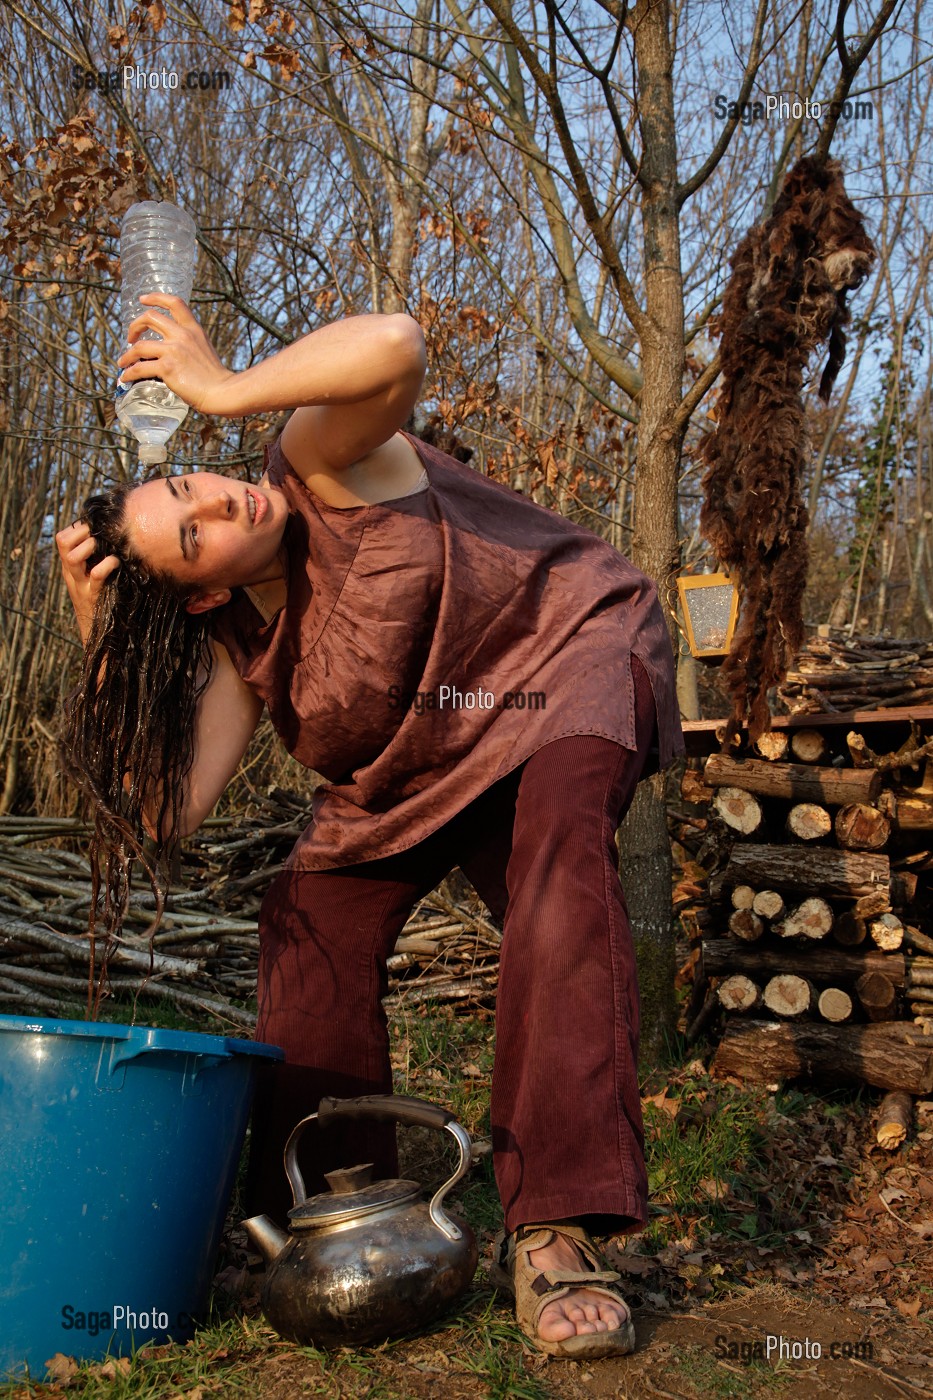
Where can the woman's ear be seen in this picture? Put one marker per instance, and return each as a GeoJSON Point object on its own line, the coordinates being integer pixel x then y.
{"type": "Point", "coordinates": [203, 601]}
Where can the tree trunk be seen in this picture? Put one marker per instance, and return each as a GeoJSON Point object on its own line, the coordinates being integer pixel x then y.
{"type": "Point", "coordinates": [645, 852]}
{"type": "Point", "coordinates": [645, 868]}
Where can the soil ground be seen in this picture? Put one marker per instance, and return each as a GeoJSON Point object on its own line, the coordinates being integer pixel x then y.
{"type": "Point", "coordinates": [683, 1354]}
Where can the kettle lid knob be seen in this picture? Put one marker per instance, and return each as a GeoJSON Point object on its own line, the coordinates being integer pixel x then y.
{"type": "Point", "coordinates": [343, 1180]}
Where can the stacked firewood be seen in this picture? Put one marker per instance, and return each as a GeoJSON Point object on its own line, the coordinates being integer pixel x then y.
{"type": "Point", "coordinates": [204, 954]}
{"type": "Point", "coordinates": [835, 674]}
{"type": "Point", "coordinates": [808, 887]}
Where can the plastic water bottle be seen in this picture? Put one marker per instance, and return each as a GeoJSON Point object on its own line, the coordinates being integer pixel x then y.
{"type": "Point", "coordinates": [158, 247]}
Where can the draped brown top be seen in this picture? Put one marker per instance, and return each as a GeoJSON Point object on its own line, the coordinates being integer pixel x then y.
{"type": "Point", "coordinates": [430, 644]}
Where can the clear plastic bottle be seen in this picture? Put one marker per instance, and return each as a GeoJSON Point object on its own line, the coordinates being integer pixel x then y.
{"type": "Point", "coordinates": [158, 248]}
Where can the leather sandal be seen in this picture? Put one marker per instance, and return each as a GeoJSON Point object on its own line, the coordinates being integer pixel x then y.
{"type": "Point", "coordinates": [533, 1289]}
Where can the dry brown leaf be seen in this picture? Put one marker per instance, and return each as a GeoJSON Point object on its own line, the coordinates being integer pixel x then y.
{"type": "Point", "coordinates": [877, 1264]}
{"type": "Point", "coordinates": [156, 15]}
{"type": "Point", "coordinates": [61, 1368]}
{"type": "Point", "coordinates": [670, 1106]}
{"type": "Point", "coordinates": [911, 1309]}
{"type": "Point", "coordinates": [634, 1264]}
{"type": "Point", "coordinates": [716, 1190]}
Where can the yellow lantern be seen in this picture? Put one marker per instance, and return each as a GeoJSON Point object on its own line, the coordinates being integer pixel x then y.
{"type": "Point", "coordinates": [710, 605]}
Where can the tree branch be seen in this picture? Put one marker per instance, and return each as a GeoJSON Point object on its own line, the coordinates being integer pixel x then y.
{"type": "Point", "coordinates": [850, 64]}
{"type": "Point", "coordinates": [700, 176]}
{"type": "Point", "coordinates": [595, 221]}
{"type": "Point", "coordinates": [694, 395]}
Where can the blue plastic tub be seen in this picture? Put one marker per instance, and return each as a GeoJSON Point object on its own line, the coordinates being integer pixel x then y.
{"type": "Point", "coordinates": [118, 1151]}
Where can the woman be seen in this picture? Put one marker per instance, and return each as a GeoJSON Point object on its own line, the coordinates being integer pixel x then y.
{"type": "Point", "coordinates": [480, 682]}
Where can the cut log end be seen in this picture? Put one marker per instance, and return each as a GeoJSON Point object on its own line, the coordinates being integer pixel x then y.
{"type": "Point", "coordinates": [835, 1005]}
{"type": "Point", "coordinates": [743, 897]}
{"type": "Point", "coordinates": [887, 932]}
{"type": "Point", "coordinates": [788, 995]}
{"type": "Point", "coordinates": [772, 746]}
{"type": "Point", "coordinates": [850, 930]}
{"type": "Point", "coordinates": [768, 904]}
{"type": "Point", "coordinates": [809, 745]}
{"type": "Point", "coordinates": [860, 827]}
{"type": "Point", "coordinates": [811, 919]}
{"type": "Point", "coordinates": [739, 993]}
{"type": "Point", "coordinates": [808, 821]}
{"type": "Point", "coordinates": [740, 811]}
{"type": "Point", "coordinates": [746, 925]}
{"type": "Point", "coordinates": [877, 995]}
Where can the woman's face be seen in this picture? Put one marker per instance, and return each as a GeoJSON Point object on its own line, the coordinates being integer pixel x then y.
{"type": "Point", "coordinates": [207, 530]}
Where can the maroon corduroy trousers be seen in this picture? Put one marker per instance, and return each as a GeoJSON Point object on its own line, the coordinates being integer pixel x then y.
{"type": "Point", "coordinates": [539, 848]}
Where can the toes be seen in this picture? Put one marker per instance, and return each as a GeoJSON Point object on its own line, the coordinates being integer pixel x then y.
{"type": "Point", "coordinates": [579, 1316]}
{"type": "Point", "coordinates": [554, 1326]}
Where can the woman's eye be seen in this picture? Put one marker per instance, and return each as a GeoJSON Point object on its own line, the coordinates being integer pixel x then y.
{"type": "Point", "coordinates": [195, 534]}
{"type": "Point", "coordinates": [184, 482]}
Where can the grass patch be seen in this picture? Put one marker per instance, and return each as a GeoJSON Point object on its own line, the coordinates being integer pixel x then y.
{"type": "Point", "coordinates": [699, 1141]}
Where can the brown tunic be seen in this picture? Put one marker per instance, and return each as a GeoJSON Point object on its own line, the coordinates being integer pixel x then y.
{"type": "Point", "coordinates": [430, 644]}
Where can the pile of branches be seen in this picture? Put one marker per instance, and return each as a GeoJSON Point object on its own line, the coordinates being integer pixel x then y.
{"type": "Point", "coordinates": [834, 674]}
{"type": "Point", "coordinates": [204, 954]}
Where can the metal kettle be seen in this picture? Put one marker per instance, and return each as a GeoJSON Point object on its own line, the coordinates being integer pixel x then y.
{"type": "Point", "coordinates": [366, 1260]}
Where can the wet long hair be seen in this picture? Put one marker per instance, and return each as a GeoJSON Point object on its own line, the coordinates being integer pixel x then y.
{"type": "Point", "coordinates": [129, 724]}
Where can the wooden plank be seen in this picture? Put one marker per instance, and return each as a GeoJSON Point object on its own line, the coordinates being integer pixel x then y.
{"type": "Point", "coordinates": [700, 734]}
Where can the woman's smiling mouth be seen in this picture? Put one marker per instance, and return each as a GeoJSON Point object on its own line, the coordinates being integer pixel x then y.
{"type": "Point", "coordinates": [256, 506]}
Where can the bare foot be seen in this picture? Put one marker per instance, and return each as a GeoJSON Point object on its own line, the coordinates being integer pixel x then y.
{"type": "Point", "coordinates": [580, 1312]}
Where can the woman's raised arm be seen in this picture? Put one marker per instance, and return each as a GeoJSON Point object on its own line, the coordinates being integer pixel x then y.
{"type": "Point", "coordinates": [354, 382]}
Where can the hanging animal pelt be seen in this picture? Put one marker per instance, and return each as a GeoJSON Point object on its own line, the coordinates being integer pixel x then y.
{"type": "Point", "coordinates": [785, 298]}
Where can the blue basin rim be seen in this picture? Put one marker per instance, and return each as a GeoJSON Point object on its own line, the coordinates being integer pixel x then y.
{"type": "Point", "coordinates": [145, 1037]}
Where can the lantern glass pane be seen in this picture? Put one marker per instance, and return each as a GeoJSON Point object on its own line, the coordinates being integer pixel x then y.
{"type": "Point", "coordinates": [710, 610]}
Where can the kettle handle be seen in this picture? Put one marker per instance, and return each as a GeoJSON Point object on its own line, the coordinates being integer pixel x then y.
{"type": "Point", "coordinates": [388, 1108]}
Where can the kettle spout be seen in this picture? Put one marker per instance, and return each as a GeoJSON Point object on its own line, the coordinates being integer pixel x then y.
{"type": "Point", "coordinates": [266, 1236]}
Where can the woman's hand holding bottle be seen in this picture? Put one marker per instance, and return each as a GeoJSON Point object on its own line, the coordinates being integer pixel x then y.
{"type": "Point", "coordinates": [184, 358]}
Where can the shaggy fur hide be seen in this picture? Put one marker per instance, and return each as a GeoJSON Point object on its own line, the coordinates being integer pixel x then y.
{"type": "Point", "coordinates": [786, 296]}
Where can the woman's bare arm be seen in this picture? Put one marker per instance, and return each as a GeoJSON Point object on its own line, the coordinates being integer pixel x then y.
{"type": "Point", "coordinates": [353, 382]}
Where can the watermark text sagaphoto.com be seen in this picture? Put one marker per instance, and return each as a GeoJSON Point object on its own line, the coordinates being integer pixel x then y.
{"type": "Point", "coordinates": [774, 1349]}
{"type": "Point", "coordinates": [132, 77]}
{"type": "Point", "coordinates": [777, 108]}
{"type": "Point", "coordinates": [100, 1321]}
{"type": "Point", "coordinates": [450, 697]}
